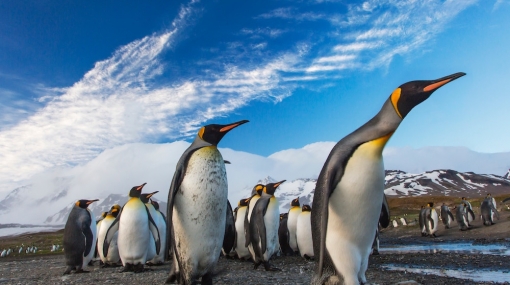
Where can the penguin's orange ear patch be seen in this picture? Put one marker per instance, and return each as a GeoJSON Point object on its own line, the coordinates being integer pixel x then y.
{"type": "Point", "coordinates": [77, 203]}
{"type": "Point", "coordinates": [395, 96]}
{"type": "Point", "coordinates": [201, 132]}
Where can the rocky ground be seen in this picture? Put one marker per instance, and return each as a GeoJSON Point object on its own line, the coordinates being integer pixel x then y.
{"type": "Point", "coordinates": [48, 269]}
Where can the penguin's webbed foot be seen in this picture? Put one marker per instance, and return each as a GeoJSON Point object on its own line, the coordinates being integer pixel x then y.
{"type": "Point", "coordinates": [139, 268]}
{"type": "Point", "coordinates": [91, 263]}
{"type": "Point", "coordinates": [81, 271]}
{"type": "Point", "coordinates": [68, 270]}
{"type": "Point", "coordinates": [269, 267]}
{"type": "Point", "coordinates": [127, 268]}
{"type": "Point", "coordinates": [375, 252]}
{"type": "Point", "coordinates": [256, 265]}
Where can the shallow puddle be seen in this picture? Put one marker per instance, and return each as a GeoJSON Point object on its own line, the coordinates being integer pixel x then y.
{"type": "Point", "coordinates": [475, 275]}
{"type": "Point", "coordinates": [464, 248]}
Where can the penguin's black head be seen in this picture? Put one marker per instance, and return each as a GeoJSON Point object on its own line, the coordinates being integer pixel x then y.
{"type": "Point", "coordinates": [412, 93]}
{"type": "Point", "coordinates": [271, 187]}
{"type": "Point", "coordinates": [114, 211]}
{"type": "Point", "coordinates": [284, 216]}
{"type": "Point", "coordinates": [295, 202]}
{"type": "Point", "coordinates": [430, 204]}
{"type": "Point", "coordinates": [146, 196]}
{"type": "Point", "coordinates": [307, 208]}
{"type": "Point", "coordinates": [104, 214]}
{"type": "Point", "coordinates": [243, 202]}
{"type": "Point", "coordinates": [214, 133]}
{"type": "Point", "coordinates": [155, 204]}
{"type": "Point", "coordinates": [257, 189]}
{"type": "Point", "coordinates": [84, 203]}
{"type": "Point", "coordinates": [136, 191]}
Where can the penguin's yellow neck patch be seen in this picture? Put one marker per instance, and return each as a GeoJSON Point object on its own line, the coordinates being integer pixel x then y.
{"type": "Point", "coordinates": [375, 147]}
{"type": "Point", "coordinates": [395, 96]}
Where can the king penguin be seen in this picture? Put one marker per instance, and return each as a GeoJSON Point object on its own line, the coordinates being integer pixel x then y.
{"type": "Point", "coordinates": [488, 210]}
{"type": "Point", "coordinates": [283, 235]}
{"type": "Point", "coordinates": [240, 247]}
{"type": "Point", "coordinates": [134, 225]}
{"type": "Point", "coordinates": [152, 257]}
{"type": "Point", "coordinates": [384, 222]}
{"type": "Point", "coordinates": [304, 233]}
{"type": "Point", "coordinates": [256, 192]}
{"type": "Point", "coordinates": [470, 215]}
{"type": "Point", "coordinates": [197, 202]}
{"type": "Point", "coordinates": [431, 220]}
{"type": "Point", "coordinates": [350, 188]}
{"type": "Point", "coordinates": [264, 222]}
{"type": "Point", "coordinates": [161, 224]}
{"type": "Point", "coordinates": [79, 236]}
{"type": "Point", "coordinates": [230, 232]}
{"type": "Point", "coordinates": [446, 216]}
{"type": "Point", "coordinates": [113, 256]}
{"type": "Point", "coordinates": [462, 219]}
{"type": "Point", "coordinates": [294, 211]}
{"type": "Point", "coordinates": [422, 217]}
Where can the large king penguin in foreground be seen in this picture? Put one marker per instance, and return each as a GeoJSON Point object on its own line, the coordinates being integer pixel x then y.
{"type": "Point", "coordinates": [79, 236]}
{"type": "Point", "coordinates": [197, 202]}
{"type": "Point", "coordinates": [350, 188]}
{"type": "Point", "coordinates": [135, 225]}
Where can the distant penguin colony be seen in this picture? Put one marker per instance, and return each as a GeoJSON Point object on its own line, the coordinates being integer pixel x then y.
{"type": "Point", "coordinates": [338, 231]}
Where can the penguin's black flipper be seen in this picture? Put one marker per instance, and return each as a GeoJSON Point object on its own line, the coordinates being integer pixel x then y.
{"type": "Point", "coordinates": [230, 231]}
{"type": "Point", "coordinates": [247, 226]}
{"type": "Point", "coordinates": [88, 239]}
{"type": "Point", "coordinates": [114, 227]}
{"type": "Point", "coordinates": [154, 229]}
{"type": "Point", "coordinates": [257, 222]}
{"type": "Point", "coordinates": [384, 219]}
{"type": "Point", "coordinates": [506, 200]}
{"type": "Point", "coordinates": [451, 215]}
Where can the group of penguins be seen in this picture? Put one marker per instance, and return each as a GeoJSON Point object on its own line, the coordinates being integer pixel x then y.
{"type": "Point", "coordinates": [344, 223]}
{"type": "Point", "coordinates": [134, 240]}
{"type": "Point", "coordinates": [21, 249]}
{"type": "Point", "coordinates": [429, 219]}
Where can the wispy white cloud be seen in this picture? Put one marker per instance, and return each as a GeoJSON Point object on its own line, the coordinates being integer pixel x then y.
{"type": "Point", "coordinates": [116, 103]}
{"type": "Point", "coordinates": [498, 4]}
{"type": "Point", "coordinates": [259, 32]}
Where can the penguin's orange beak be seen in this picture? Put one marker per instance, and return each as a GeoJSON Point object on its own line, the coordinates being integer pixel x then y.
{"type": "Point", "coordinates": [139, 188]}
{"type": "Point", "coordinates": [233, 125]}
{"type": "Point", "coordinates": [92, 201]}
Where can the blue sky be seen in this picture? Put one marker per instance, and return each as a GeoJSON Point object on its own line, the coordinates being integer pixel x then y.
{"type": "Point", "coordinates": [77, 78]}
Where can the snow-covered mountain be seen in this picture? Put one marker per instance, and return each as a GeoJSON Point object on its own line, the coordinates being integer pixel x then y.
{"type": "Point", "coordinates": [97, 208]}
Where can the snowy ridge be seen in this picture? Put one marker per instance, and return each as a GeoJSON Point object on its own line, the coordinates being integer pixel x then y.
{"type": "Point", "coordinates": [97, 208]}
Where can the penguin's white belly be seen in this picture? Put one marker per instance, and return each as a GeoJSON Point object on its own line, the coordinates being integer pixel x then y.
{"type": "Point", "coordinates": [354, 209]}
{"type": "Point", "coordinates": [449, 220]}
{"type": "Point", "coordinates": [291, 225]}
{"type": "Point", "coordinates": [113, 250]}
{"type": "Point", "coordinates": [93, 228]}
{"type": "Point", "coordinates": [272, 222]}
{"type": "Point", "coordinates": [134, 234]}
{"type": "Point", "coordinates": [304, 234]}
{"type": "Point", "coordinates": [435, 218]}
{"type": "Point", "coordinates": [241, 250]}
{"type": "Point", "coordinates": [200, 211]}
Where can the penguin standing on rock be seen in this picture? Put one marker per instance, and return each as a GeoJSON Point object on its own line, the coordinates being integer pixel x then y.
{"type": "Point", "coordinates": [470, 215]}
{"type": "Point", "coordinates": [422, 218]}
{"type": "Point", "coordinates": [79, 236]}
{"type": "Point", "coordinates": [304, 233]}
{"type": "Point", "coordinates": [294, 211]}
{"type": "Point", "coordinates": [488, 210]}
{"type": "Point", "coordinates": [350, 188]}
{"type": "Point", "coordinates": [134, 225]}
{"type": "Point", "coordinates": [264, 223]}
{"type": "Point", "coordinates": [462, 219]}
{"type": "Point", "coordinates": [197, 202]}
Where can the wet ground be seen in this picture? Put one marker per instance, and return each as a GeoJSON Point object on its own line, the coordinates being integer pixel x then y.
{"type": "Point", "coordinates": [478, 256]}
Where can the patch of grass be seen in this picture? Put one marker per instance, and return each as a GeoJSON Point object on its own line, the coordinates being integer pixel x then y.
{"type": "Point", "coordinates": [43, 241]}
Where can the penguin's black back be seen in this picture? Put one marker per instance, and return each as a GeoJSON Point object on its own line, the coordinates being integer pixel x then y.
{"type": "Point", "coordinates": [76, 229]}
{"type": "Point", "coordinates": [230, 230]}
{"type": "Point", "coordinates": [283, 237]}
